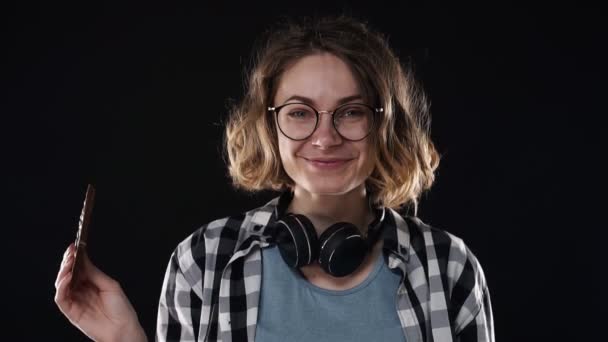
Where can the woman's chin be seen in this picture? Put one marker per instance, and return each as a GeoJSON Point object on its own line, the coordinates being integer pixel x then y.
{"type": "Point", "coordinates": [327, 188]}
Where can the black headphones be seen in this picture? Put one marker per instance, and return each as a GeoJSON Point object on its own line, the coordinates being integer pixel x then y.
{"type": "Point", "coordinates": [340, 249]}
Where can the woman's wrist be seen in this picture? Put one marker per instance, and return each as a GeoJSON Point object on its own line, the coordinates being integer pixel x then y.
{"type": "Point", "coordinates": [134, 333]}
{"type": "Point", "coordinates": [138, 335]}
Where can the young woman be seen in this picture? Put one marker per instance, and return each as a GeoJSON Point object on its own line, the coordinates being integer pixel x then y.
{"type": "Point", "coordinates": [335, 123]}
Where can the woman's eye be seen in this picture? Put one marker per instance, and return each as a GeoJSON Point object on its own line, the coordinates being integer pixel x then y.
{"type": "Point", "coordinates": [299, 114]}
{"type": "Point", "coordinates": [352, 112]}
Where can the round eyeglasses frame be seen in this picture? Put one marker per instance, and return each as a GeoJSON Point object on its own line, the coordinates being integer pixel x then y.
{"type": "Point", "coordinates": [276, 110]}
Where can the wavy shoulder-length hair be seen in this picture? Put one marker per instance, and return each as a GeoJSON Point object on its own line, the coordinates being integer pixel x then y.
{"type": "Point", "coordinates": [406, 158]}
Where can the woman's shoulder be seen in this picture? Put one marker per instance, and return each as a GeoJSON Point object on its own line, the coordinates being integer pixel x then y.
{"type": "Point", "coordinates": [424, 235]}
{"type": "Point", "coordinates": [453, 255]}
{"type": "Point", "coordinates": [432, 235]}
{"type": "Point", "coordinates": [225, 234]}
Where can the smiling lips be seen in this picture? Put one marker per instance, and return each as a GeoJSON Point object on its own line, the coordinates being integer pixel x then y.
{"type": "Point", "coordinates": [327, 163]}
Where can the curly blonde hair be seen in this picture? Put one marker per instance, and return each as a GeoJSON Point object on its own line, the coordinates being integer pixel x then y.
{"type": "Point", "coordinates": [406, 158]}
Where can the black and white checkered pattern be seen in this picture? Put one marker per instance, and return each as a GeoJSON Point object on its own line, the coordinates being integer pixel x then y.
{"type": "Point", "coordinates": [212, 284]}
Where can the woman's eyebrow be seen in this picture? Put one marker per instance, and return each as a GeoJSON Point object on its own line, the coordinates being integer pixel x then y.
{"type": "Point", "coordinates": [311, 101]}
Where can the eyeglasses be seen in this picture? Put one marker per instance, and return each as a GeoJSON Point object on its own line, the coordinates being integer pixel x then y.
{"type": "Point", "coordinates": [298, 121]}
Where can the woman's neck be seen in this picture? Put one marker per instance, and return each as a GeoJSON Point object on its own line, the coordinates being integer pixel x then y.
{"type": "Point", "coordinates": [326, 209]}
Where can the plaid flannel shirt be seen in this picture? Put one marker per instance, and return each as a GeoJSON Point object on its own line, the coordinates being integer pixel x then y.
{"type": "Point", "coordinates": [212, 284]}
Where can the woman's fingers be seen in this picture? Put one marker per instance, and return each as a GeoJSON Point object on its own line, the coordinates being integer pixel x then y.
{"type": "Point", "coordinates": [88, 272]}
{"type": "Point", "coordinates": [64, 277]}
{"type": "Point", "coordinates": [66, 268]}
{"type": "Point", "coordinates": [66, 265]}
{"type": "Point", "coordinates": [61, 295]}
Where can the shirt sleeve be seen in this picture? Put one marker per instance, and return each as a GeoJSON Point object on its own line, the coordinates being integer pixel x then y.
{"type": "Point", "coordinates": [472, 296]}
{"type": "Point", "coordinates": [177, 307]}
{"type": "Point", "coordinates": [481, 327]}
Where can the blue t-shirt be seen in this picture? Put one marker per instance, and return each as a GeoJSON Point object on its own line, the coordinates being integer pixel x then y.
{"type": "Point", "coordinates": [293, 309]}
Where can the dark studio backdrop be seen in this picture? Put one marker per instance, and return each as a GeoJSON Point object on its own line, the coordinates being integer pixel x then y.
{"type": "Point", "coordinates": [132, 98]}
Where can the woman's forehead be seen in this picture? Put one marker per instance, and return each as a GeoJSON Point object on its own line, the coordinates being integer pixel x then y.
{"type": "Point", "coordinates": [322, 78]}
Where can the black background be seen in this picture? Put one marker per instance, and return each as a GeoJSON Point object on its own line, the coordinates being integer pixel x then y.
{"type": "Point", "coordinates": [132, 98]}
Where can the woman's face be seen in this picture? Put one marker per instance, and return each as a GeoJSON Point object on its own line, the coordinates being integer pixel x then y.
{"type": "Point", "coordinates": [325, 82]}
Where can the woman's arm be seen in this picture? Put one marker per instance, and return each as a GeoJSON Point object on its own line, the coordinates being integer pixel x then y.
{"type": "Point", "coordinates": [471, 297]}
{"type": "Point", "coordinates": [179, 307]}
{"type": "Point", "coordinates": [481, 328]}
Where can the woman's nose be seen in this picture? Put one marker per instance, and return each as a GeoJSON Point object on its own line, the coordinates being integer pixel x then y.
{"type": "Point", "coordinates": [326, 135]}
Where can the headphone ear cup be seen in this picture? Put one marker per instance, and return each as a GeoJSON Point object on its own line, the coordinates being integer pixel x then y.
{"type": "Point", "coordinates": [297, 240]}
{"type": "Point", "coordinates": [342, 249]}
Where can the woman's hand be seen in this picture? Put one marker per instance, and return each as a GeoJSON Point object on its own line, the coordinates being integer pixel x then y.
{"type": "Point", "coordinates": [96, 304]}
